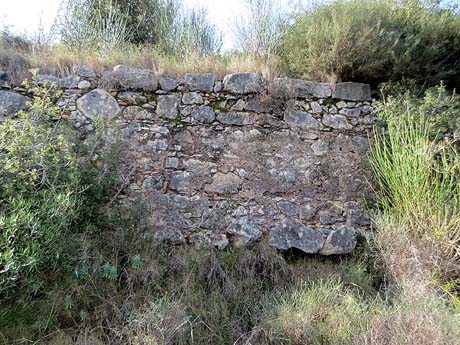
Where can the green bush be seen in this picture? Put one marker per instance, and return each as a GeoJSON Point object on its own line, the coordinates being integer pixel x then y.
{"type": "Point", "coordinates": [375, 41]}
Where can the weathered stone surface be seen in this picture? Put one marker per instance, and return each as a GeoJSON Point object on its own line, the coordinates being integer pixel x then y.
{"type": "Point", "coordinates": [203, 114]}
{"type": "Point", "coordinates": [236, 119]}
{"type": "Point", "coordinates": [172, 162]}
{"type": "Point", "coordinates": [70, 82]}
{"type": "Point", "coordinates": [297, 88]}
{"type": "Point", "coordinates": [131, 78]}
{"type": "Point", "coordinates": [320, 147]}
{"type": "Point", "coordinates": [289, 234]}
{"type": "Point", "coordinates": [206, 239]}
{"type": "Point", "coordinates": [180, 181]}
{"type": "Point", "coordinates": [98, 103]}
{"type": "Point", "coordinates": [135, 112]}
{"type": "Point", "coordinates": [243, 231]}
{"type": "Point", "coordinates": [171, 236]}
{"type": "Point", "coordinates": [301, 119]}
{"type": "Point", "coordinates": [224, 183]}
{"type": "Point", "coordinates": [339, 241]}
{"type": "Point", "coordinates": [200, 81]}
{"type": "Point", "coordinates": [84, 85]}
{"type": "Point", "coordinates": [168, 106]}
{"type": "Point", "coordinates": [336, 121]}
{"type": "Point", "coordinates": [352, 91]}
{"type": "Point", "coordinates": [11, 102]}
{"type": "Point", "coordinates": [242, 83]}
{"type": "Point", "coordinates": [84, 71]}
{"type": "Point", "coordinates": [132, 98]}
{"type": "Point", "coordinates": [168, 83]}
{"type": "Point", "coordinates": [192, 98]}
{"type": "Point", "coordinates": [288, 208]}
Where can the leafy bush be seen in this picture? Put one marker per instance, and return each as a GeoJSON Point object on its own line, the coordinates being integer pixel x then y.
{"type": "Point", "coordinates": [375, 41]}
{"type": "Point", "coordinates": [39, 192]}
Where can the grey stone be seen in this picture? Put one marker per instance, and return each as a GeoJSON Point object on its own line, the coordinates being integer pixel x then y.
{"type": "Point", "coordinates": [336, 121]}
{"type": "Point", "coordinates": [243, 231]}
{"type": "Point", "coordinates": [98, 103]}
{"type": "Point", "coordinates": [168, 83]}
{"type": "Point", "coordinates": [192, 98]}
{"type": "Point", "coordinates": [172, 162]}
{"type": "Point", "coordinates": [224, 183]}
{"type": "Point", "coordinates": [301, 119]}
{"type": "Point", "coordinates": [84, 71]}
{"type": "Point", "coordinates": [288, 208]}
{"type": "Point", "coordinates": [168, 106]}
{"type": "Point", "coordinates": [339, 241]}
{"type": "Point", "coordinates": [84, 85]}
{"type": "Point", "coordinates": [132, 98]}
{"type": "Point", "coordinates": [242, 83]}
{"type": "Point", "coordinates": [11, 102]}
{"type": "Point", "coordinates": [48, 79]}
{"type": "Point", "coordinates": [160, 144]}
{"type": "Point", "coordinates": [180, 181]}
{"type": "Point", "coordinates": [236, 119]}
{"type": "Point", "coordinates": [308, 212]}
{"type": "Point", "coordinates": [206, 239]}
{"type": "Point", "coordinates": [316, 108]}
{"type": "Point", "coordinates": [70, 82]}
{"type": "Point", "coordinates": [203, 114]}
{"type": "Point", "coordinates": [138, 113]}
{"type": "Point", "coordinates": [200, 81]}
{"type": "Point", "coordinates": [354, 112]}
{"type": "Point", "coordinates": [289, 234]}
{"type": "Point", "coordinates": [320, 147]}
{"type": "Point", "coordinates": [239, 105]}
{"type": "Point", "coordinates": [358, 217]}
{"type": "Point", "coordinates": [297, 88]}
{"type": "Point", "coordinates": [132, 78]}
{"type": "Point", "coordinates": [352, 91]}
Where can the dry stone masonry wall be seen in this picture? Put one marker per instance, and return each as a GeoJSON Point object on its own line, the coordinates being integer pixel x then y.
{"type": "Point", "coordinates": [228, 162]}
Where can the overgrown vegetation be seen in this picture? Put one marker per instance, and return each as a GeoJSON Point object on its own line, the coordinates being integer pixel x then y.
{"type": "Point", "coordinates": [77, 267]}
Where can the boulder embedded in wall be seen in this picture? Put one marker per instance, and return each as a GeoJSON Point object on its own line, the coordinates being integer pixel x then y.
{"type": "Point", "coordinates": [297, 88]}
{"type": "Point", "coordinates": [339, 241]}
{"type": "Point", "coordinates": [289, 234]}
{"type": "Point", "coordinates": [336, 121]}
{"type": "Point", "coordinates": [84, 71]}
{"type": "Point", "coordinates": [352, 91]}
{"type": "Point", "coordinates": [168, 83]}
{"type": "Point", "coordinates": [98, 103]}
{"type": "Point", "coordinates": [242, 83]}
{"type": "Point", "coordinates": [204, 114]}
{"type": "Point", "coordinates": [236, 119]}
{"type": "Point", "coordinates": [243, 232]}
{"type": "Point", "coordinates": [200, 81]}
{"type": "Point", "coordinates": [301, 119]}
{"type": "Point", "coordinates": [131, 78]}
{"type": "Point", "coordinates": [224, 183]}
{"type": "Point", "coordinates": [11, 102]}
{"type": "Point", "coordinates": [168, 106]}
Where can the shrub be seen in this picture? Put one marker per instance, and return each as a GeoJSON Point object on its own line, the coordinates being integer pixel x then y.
{"type": "Point", "coordinates": [375, 41]}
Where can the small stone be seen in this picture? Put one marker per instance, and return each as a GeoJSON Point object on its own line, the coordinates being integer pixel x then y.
{"type": "Point", "coordinates": [236, 119]}
{"type": "Point", "coordinates": [336, 121]}
{"type": "Point", "coordinates": [243, 232]}
{"type": "Point", "coordinates": [160, 144]}
{"type": "Point", "coordinates": [168, 83]}
{"type": "Point", "coordinates": [301, 119]}
{"type": "Point", "coordinates": [168, 106]}
{"type": "Point", "coordinates": [224, 183]}
{"type": "Point", "coordinates": [316, 108]}
{"type": "Point", "coordinates": [203, 114]}
{"type": "Point", "coordinates": [192, 98]}
{"type": "Point", "coordinates": [339, 241]}
{"type": "Point", "coordinates": [84, 85]}
{"type": "Point", "coordinates": [172, 162]}
{"type": "Point", "coordinates": [288, 208]}
{"type": "Point", "coordinates": [138, 113]}
{"type": "Point", "coordinates": [355, 112]}
{"type": "Point", "coordinates": [133, 98]}
{"type": "Point", "coordinates": [180, 182]}
{"type": "Point", "coordinates": [320, 147]}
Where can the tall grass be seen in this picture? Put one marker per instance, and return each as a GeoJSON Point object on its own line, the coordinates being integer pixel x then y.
{"type": "Point", "coordinates": [418, 193]}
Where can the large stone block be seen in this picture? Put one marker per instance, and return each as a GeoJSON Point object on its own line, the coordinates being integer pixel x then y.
{"type": "Point", "coordinates": [352, 91]}
{"type": "Point", "coordinates": [200, 81]}
{"type": "Point", "coordinates": [131, 78]}
{"type": "Point", "coordinates": [242, 83]}
{"type": "Point", "coordinates": [98, 103]}
{"type": "Point", "coordinates": [297, 88]}
{"type": "Point", "coordinates": [11, 102]}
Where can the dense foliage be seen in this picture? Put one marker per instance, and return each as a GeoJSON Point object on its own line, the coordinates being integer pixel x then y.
{"type": "Point", "coordinates": [375, 41]}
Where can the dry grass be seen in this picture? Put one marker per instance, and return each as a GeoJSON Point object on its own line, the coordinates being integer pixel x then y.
{"type": "Point", "coordinates": [57, 60]}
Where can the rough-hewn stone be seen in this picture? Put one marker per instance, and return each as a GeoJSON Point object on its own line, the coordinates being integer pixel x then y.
{"type": "Point", "coordinates": [200, 81]}
{"type": "Point", "coordinates": [289, 234]}
{"type": "Point", "coordinates": [301, 119]}
{"type": "Point", "coordinates": [11, 103]}
{"type": "Point", "coordinates": [98, 103]}
{"type": "Point", "coordinates": [131, 78]}
{"type": "Point", "coordinates": [352, 91]}
{"type": "Point", "coordinates": [297, 88]}
{"type": "Point", "coordinates": [339, 241]}
{"type": "Point", "coordinates": [242, 83]}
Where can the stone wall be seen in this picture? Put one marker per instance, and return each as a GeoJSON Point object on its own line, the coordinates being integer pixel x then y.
{"type": "Point", "coordinates": [227, 162]}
